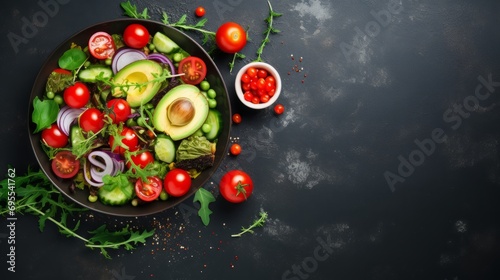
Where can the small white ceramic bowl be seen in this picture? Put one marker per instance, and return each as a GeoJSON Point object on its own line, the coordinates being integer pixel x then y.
{"type": "Point", "coordinates": [259, 65]}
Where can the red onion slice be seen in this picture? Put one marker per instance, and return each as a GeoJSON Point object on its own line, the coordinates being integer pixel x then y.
{"type": "Point", "coordinates": [102, 163]}
{"type": "Point", "coordinates": [162, 59]}
{"type": "Point", "coordinates": [125, 56]}
{"type": "Point", "coordinates": [66, 117]}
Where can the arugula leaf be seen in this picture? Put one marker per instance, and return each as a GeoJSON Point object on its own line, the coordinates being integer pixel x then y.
{"type": "Point", "coordinates": [205, 198]}
{"type": "Point", "coordinates": [36, 195]}
{"type": "Point", "coordinates": [131, 11]}
{"type": "Point", "coordinates": [44, 113]}
{"type": "Point", "coordinates": [257, 223]}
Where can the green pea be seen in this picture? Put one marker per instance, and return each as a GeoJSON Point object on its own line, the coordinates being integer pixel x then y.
{"type": "Point", "coordinates": [92, 198]}
{"type": "Point", "coordinates": [205, 85]}
{"type": "Point", "coordinates": [107, 61]}
{"type": "Point", "coordinates": [177, 57]}
{"type": "Point", "coordinates": [152, 47]}
{"type": "Point", "coordinates": [206, 127]}
{"type": "Point", "coordinates": [86, 64]}
{"type": "Point", "coordinates": [58, 99]}
{"type": "Point", "coordinates": [163, 195]}
{"type": "Point", "coordinates": [212, 103]}
{"type": "Point", "coordinates": [211, 93]}
{"type": "Point", "coordinates": [50, 94]}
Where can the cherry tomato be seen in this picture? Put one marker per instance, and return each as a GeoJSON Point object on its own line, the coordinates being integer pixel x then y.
{"type": "Point", "coordinates": [177, 182]}
{"type": "Point", "coordinates": [65, 164]}
{"type": "Point", "coordinates": [258, 85]}
{"type": "Point", "coordinates": [62, 71]}
{"type": "Point", "coordinates": [236, 118]}
{"type": "Point", "coordinates": [200, 11]}
{"type": "Point", "coordinates": [76, 95]}
{"type": "Point", "coordinates": [101, 45]}
{"type": "Point", "coordinates": [142, 159]}
{"type": "Point", "coordinates": [194, 69]}
{"type": "Point", "coordinates": [235, 149]}
{"type": "Point", "coordinates": [150, 190]}
{"type": "Point", "coordinates": [279, 109]}
{"type": "Point", "coordinates": [230, 37]}
{"type": "Point", "coordinates": [120, 110]}
{"type": "Point", "coordinates": [129, 139]}
{"type": "Point", "coordinates": [236, 186]}
{"type": "Point", "coordinates": [91, 120]}
{"type": "Point", "coordinates": [54, 137]}
{"type": "Point", "coordinates": [136, 36]}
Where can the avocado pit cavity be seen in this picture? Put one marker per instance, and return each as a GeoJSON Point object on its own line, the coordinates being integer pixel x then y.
{"type": "Point", "coordinates": [180, 112]}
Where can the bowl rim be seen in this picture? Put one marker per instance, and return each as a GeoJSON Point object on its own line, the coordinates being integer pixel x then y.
{"type": "Point", "coordinates": [268, 67]}
{"type": "Point", "coordinates": [80, 197]}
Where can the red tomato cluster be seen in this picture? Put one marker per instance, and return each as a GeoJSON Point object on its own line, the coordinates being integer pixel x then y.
{"type": "Point", "coordinates": [258, 85]}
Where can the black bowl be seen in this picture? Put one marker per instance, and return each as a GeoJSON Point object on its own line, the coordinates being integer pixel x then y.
{"type": "Point", "coordinates": [117, 27]}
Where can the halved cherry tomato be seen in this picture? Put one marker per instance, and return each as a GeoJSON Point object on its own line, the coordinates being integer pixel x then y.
{"type": "Point", "coordinates": [150, 190]}
{"type": "Point", "coordinates": [194, 69]}
{"type": "Point", "coordinates": [120, 110]}
{"type": "Point", "coordinates": [128, 138]}
{"type": "Point", "coordinates": [91, 120]}
{"type": "Point", "coordinates": [136, 36]}
{"type": "Point", "coordinates": [54, 137]}
{"type": "Point", "coordinates": [77, 95]}
{"type": "Point", "coordinates": [65, 164]}
{"type": "Point", "coordinates": [62, 71]}
{"type": "Point", "coordinates": [236, 186]}
{"type": "Point", "coordinates": [231, 37]}
{"type": "Point", "coordinates": [101, 45]}
{"type": "Point", "coordinates": [177, 182]}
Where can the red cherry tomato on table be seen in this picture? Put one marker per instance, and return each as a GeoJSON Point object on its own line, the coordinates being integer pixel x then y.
{"type": "Point", "coordinates": [77, 95]}
{"type": "Point", "coordinates": [235, 149]}
{"type": "Point", "coordinates": [177, 182]}
{"type": "Point", "coordinates": [65, 164]}
{"type": "Point", "coordinates": [230, 37]}
{"type": "Point", "coordinates": [91, 120]}
{"type": "Point", "coordinates": [194, 69]}
{"type": "Point", "coordinates": [136, 36]}
{"type": "Point", "coordinates": [200, 11]}
{"type": "Point", "coordinates": [101, 45]}
{"type": "Point", "coordinates": [150, 190]}
{"type": "Point", "coordinates": [236, 118]}
{"type": "Point", "coordinates": [54, 137]}
{"type": "Point", "coordinates": [129, 139]}
{"type": "Point", "coordinates": [279, 109]}
{"type": "Point", "coordinates": [236, 186]}
{"type": "Point", "coordinates": [120, 110]}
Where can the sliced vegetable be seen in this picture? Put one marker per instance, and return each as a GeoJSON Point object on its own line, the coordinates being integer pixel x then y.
{"type": "Point", "coordinates": [65, 165]}
{"type": "Point", "coordinates": [124, 57]}
{"type": "Point", "coordinates": [101, 45]}
{"type": "Point", "coordinates": [194, 69]}
{"type": "Point", "coordinates": [116, 190]}
{"type": "Point", "coordinates": [150, 190]}
{"type": "Point", "coordinates": [165, 149]}
{"type": "Point", "coordinates": [66, 117]}
{"type": "Point", "coordinates": [91, 73]}
{"type": "Point", "coordinates": [162, 59]}
{"type": "Point", "coordinates": [214, 119]}
{"type": "Point", "coordinates": [164, 44]}
{"type": "Point", "coordinates": [101, 164]}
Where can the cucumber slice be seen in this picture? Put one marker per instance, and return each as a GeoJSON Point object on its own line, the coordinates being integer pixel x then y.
{"type": "Point", "coordinates": [164, 44]}
{"type": "Point", "coordinates": [90, 74]}
{"type": "Point", "coordinates": [165, 149]}
{"type": "Point", "coordinates": [214, 119]}
{"type": "Point", "coordinates": [114, 197]}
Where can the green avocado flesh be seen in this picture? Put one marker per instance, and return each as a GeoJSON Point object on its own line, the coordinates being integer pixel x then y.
{"type": "Point", "coordinates": [181, 112]}
{"type": "Point", "coordinates": [139, 76]}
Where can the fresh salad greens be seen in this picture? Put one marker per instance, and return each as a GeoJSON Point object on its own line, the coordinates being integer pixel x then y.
{"type": "Point", "coordinates": [36, 195]}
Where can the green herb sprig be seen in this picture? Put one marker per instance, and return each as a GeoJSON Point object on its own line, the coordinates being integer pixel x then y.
{"type": "Point", "coordinates": [269, 30]}
{"type": "Point", "coordinates": [257, 223]}
{"type": "Point", "coordinates": [208, 36]}
{"type": "Point", "coordinates": [36, 195]}
{"type": "Point", "coordinates": [131, 11]}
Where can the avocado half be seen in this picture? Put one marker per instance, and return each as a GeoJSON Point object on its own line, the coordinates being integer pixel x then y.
{"type": "Point", "coordinates": [181, 112]}
{"type": "Point", "coordinates": [139, 72]}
